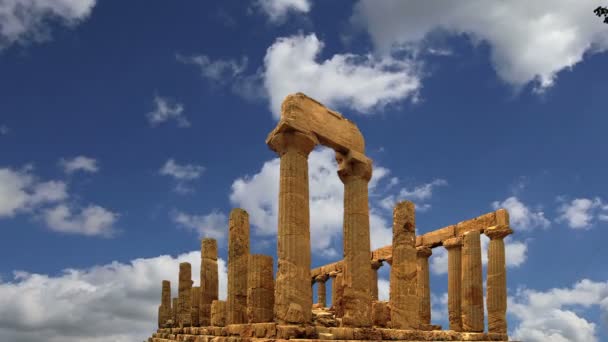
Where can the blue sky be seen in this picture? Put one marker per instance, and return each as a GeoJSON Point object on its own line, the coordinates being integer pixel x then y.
{"type": "Point", "coordinates": [128, 130]}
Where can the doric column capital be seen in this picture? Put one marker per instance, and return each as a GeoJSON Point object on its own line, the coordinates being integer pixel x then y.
{"type": "Point", "coordinates": [423, 252]}
{"type": "Point", "coordinates": [455, 242]}
{"type": "Point", "coordinates": [498, 232]}
{"type": "Point", "coordinates": [349, 168]}
{"type": "Point", "coordinates": [376, 264]}
{"type": "Point", "coordinates": [321, 278]}
{"type": "Point", "coordinates": [302, 143]}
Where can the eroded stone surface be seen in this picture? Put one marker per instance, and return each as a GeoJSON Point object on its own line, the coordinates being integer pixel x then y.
{"type": "Point", "coordinates": [260, 291]}
{"type": "Point", "coordinates": [184, 301]}
{"type": "Point", "coordinates": [238, 260]}
{"type": "Point", "coordinates": [208, 279]}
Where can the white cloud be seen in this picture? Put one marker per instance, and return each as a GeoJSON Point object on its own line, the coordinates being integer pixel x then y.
{"type": "Point", "coordinates": [22, 191]}
{"type": "Point", "coordinates": [24, 21]}
{"type": "Point", "coordinates": [213, 225]}
{"type": "Point", "coordinates": [4, 130]}
{"type": "Point", "coordinates": [182, 174]}
{"type": "Point", "coordinates": [164, 110]}
{"type": "Point", "coordinates": [360, 82]}
{"type": "Point", "coordinates": [552, 315]}
{"type": "Point", "coordinates": [277, 10]}
{"type": "Point", "coordinates": [384, 286]}
{"type": "Point", "coordinates": [521, 217]}
{"type": "Point", "coordinates": [418, 195]}
{"type": "Point", "coordinates": [92, 220]}
{"type": "Point", "coordinates": [114, 302]}
{"type": "Point", "coordinates": [219, 70]}
{"type": "Point", "coordinates": [79, 163]}
{"type": "Point", "coordinates": [581, 213]}
{"type": "Point", "coordinates": [530, 41]}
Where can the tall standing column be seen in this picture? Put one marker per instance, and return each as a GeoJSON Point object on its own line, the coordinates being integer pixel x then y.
{"type": "Point", "coordinates": [209, 279]}
{"type": "Point", "coordinates": [376, 264]}
{"type": "Point", "coordinates": [496, 296]}
{"type": "Point", "coordinates": [454, 248]}
{"type": "Point", "coordinates": [472, 283]}
{"type": "Point", "coordinates": [321, 289]}
{"type": "Point", "coordinates": [334, 286]}
{"type": "Point", "coordinates": [403, 283]}
{"type": "Point", "coordinates": [293, 294]}
{"type": "Point", "coordinates": [357, 253]}
{"type": "Point", "coordinates": [164, 310]}
{"type": "Point", "coordinates": [424, 292]}
{"type": "Point", "coordinates": [184, 299]}
{"type": "Point", "coordinates": [238, 259]}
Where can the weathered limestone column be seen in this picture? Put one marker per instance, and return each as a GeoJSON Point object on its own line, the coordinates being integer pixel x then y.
{"type": "Point", "coordinates": [334, 286]}
{"type": "Point", "coordinates": [357, 253]}
{"type": "Point", "coordinates": [196, 302]}
{"type": "Point", "coordinates": [454, 248]}
{"type": "Point", "coordinates": [376, 264]}
{"type": "Point", "coordinates": [496, 296]}
{"type": "Point", "coordinates": [218, 313]}
{"type": "Point", "coordinates": [293, 294]}
{"type": "Point", "coordinates": [403, 282]}
{"type": "Point", "coordinates": [424, 291]}
{"type": "Point", "coordinates": [472, 283]}
{"type": "Point", "coordinates": [321, 289]}
{"type": "Point", "coordinates": [209, 279]}
{"type": "Point", "coordinates": [339, 302]}
{"type": "Point", "coordinates": [174, 304]}
{"type": "Point", "coordinates": [238, 260]}
{"type": "Point", "coordinates": [184, 299]}
{"type": "Point", "coordinates": [260, 292]}
{"type": "Point", "coordinates": [164, 310]}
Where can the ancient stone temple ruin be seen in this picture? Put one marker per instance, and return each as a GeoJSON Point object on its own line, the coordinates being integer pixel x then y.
{"type": "Point", "coordinates": [260, 306]}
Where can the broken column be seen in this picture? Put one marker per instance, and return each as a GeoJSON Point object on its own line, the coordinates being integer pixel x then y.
{"type": "Point", "coordinates": [238, 260]}
{"type": "Point", "coordinates": [293, 294]}
{"type": "Point", "coordinates": [403, 282]}
{"type": "Point", "coordinates": [472, 283]}
{"type": "Point", "coordinates": [184, 301]}
{"type": "Point", "coordinates": [454, 248]}
{"type": "Point", "coordinates": [164, 310]}
{"type": "Point", "coordinates": [321, 290]}
{"type": "Point", "coordinates": [218, 313]}
{"type": "Point", "coordinates": [260, 292]}
{"type": "Point", "coordinates": [209, 279]}
{"type": "Point", "coordinates": [376, 264]}
{"type": "Point", "coordinates": [355, 174]}
{"type": "Point", "coordinates": [424, 292]}
{"type": "Point", "coordinates": [496, 300]}
{"type": "Point", "coordinates": [196, 302]}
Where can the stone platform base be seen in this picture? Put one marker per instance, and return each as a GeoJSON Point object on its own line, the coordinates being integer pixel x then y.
{"type": "Point", "coordinates": [267, 332]}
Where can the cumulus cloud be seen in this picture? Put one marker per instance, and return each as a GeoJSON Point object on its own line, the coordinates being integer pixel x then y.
{"type": "Point", "coordinates": [213, 225]}
{"type": "Point", "coordinates": [79, 163]}
{"type": "Point", "coordinates": [21, 191]}
{"type": "Point", "coordinates": [164, 110]}
{"type": "Point", "coordinates": [418, 194]}
{"type": "Point", "coordinates": [215, 70]}
{"type": "Point", "coordinates": [25, 21]}
{"type": "Point", "coordinates": [359, 82]}
{"type": "Point", "coordinates": [92, 220]}
{"type": "Point", "coordinates": [277, 10]}
{"type": "Point", "coordinates": [552, 315]}
{"type": "Point", "coordinates": [581, 213]}
{"type": "Point", "coordinates": [529, 41]}
{"type": "Point", "coordinates": [114, 302]}
{"type": "Point", "coordinates": [521, 217]}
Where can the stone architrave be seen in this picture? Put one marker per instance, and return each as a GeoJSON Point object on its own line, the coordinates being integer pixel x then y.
{"type": "Point", "coordinates": [496, 295]}
{"type": "Point", "coordinates": [472, 283]}
{"type": "Point", "coordinates": [238, 261]}
{"type": "Point", "coordinates": [454, 248]}
{"type": "Point", "coordinates": [196, 302]}
{"type": "Point", "coordinates": [164, 310]}
{"type": "Point", "coordinates": [424, 292]}
{"type": "Point", "coordinates": [403, 300]}
{"type": "Point", "coordinates": [376, 264]}
{"type": "Point", "coordinates": [321, 289]}
{"type": "Point", "coordinates": [209, 279]}
{"type": "Point", "coordinates": [218, 313]}
{"type": "Point", "coordinates": [260, 292]}
{"type": "Point", "coordinates": [293, 294]}
{"type": "Point", "coordinates": [357, 253]}
{"type": "Point", "coordinates": [184, 296]}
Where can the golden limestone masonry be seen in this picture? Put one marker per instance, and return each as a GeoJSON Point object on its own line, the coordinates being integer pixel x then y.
{"type": "Point", "coordinates": [263, 305]}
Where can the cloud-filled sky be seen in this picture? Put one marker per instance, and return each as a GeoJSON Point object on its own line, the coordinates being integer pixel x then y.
{"type": "Point", "coordinates": [121, 145]}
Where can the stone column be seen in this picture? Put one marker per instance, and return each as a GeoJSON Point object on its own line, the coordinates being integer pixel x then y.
{"type": "Point", "coordinates": [209, 279]}
{"type": "Point", "coordinates": [260, 292]}
{"type": "Point", "coordinates": [293, 294]}
{"type": "Point", "coordinates": [424, 291]}
{"type": "Point", "coordinates": [174, 304]}
{"type": "Point", "coordinates": [403, 283]}
{"type": "Point", "coordinates": [321, 290]}
{"type": "Point", "coordinates": [218, 313]}
{"type": "Point", "coordinates": [184, 299]}
{"type": "Point", "coordinates": [376, 264]}
{"type": "Point", "coordinates": [238, 260]}
{"type": "Point", "coordinates": [196, 302]}
{"type": "Point", "coordinates": [339, 303]}
{"type": "Point", "coordinates": [164, 310]}
{"type": "Point", "coordinates": [496, 295]}
{"type": "Point", "coordinates": [454, 248]}
{"type": "Point", "coordinates": [472, 283]}
{"type": "Point", "coordinates": [333, 275]}
{"type": "Point", "coordinates": [357, 253]}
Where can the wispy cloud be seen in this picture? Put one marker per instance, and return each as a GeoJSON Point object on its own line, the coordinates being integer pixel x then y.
{"type": "Point", "coordinates": [79, 163]}
{"type": "Point", "coordinates": [182, 174]}
{"type": "Point", "coordinates": [165, 110]}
